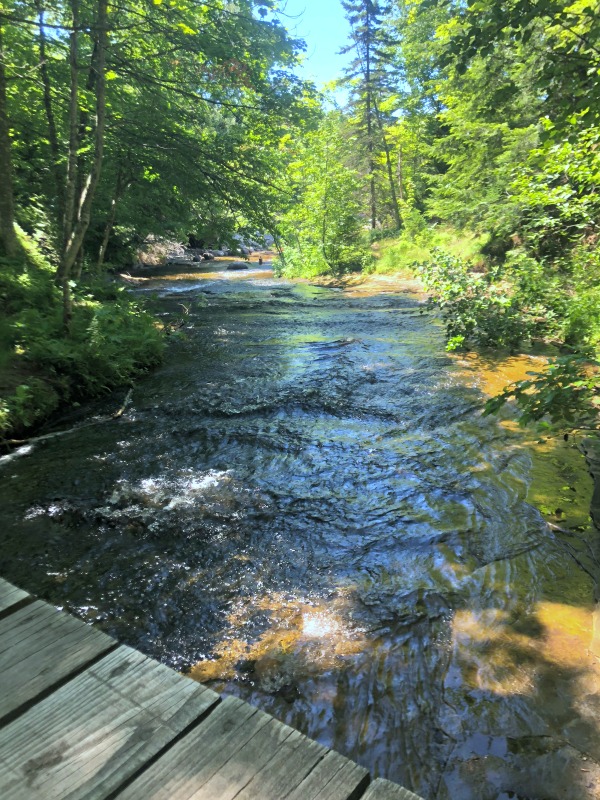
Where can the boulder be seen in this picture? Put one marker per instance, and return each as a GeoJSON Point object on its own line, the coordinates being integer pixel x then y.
{"type": "Point", "coordinates": [238, 265]}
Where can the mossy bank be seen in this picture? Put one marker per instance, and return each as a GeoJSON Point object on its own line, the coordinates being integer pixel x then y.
{"type": "Point", "coordinates": [45, 367]}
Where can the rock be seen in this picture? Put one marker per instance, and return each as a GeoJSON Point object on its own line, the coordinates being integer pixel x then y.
{"type": "Point", "coordinates": [237, 265]}
{"type": "Point", "coordinates": [288, 692]}
{"type": "Point", "coordinates": [207, 256]}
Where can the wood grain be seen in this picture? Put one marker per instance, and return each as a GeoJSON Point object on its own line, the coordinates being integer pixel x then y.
{"type": "Point", "coordinates": [91, 735]}
{"type": "Point", "coordinates": [385, 790]}
{"type": "Point", "coordinates": [10, 596]}
{"type": "Point", "coordinates": [39, 648]}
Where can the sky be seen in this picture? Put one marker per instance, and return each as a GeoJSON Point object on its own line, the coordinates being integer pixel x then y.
{"type": "Point", "coordinates": [322, 25]}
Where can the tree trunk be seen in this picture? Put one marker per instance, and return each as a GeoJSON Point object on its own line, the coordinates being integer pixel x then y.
{"type": "Point", "coordinates": [72, 158]}
{"type": "Point", "coordinates": [82, 209]}
{"type": "Point", "coordinates": [325, 210]}
{"type": "Point", "coordinates": [400, 172]}
{"type": "Point", "coordinates": [120, 189]}
{"type": "Point", "coordinates": [371, 164]}
{"type": "Point", "coordinates": [8, 237]}
{"type": "Point", "coordinates": [388, 163]}
{"type": "Point", "coordinates": [107, 232]}
{"type": "Point", "coordinates": [78, 265]}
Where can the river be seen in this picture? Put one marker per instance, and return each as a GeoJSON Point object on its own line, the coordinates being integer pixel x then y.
{"type": "Point", "coordinates": [304, 507]}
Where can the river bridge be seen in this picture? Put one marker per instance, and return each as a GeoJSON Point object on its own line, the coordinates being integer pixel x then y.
{"type": "Point", "coordinates": [83, 717]}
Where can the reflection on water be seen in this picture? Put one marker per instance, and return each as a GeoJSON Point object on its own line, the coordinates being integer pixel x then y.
{"type": "Point", "coordinates": [304, 507]}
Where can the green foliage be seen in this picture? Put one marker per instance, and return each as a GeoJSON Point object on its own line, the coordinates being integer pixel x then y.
{"type": "Point", "coordinates": [564, 39]}
{"type": "Point", "coordinates": [555, 191]}
{"type": "Point", "coordinates": [473, 306]}
{"type": "Point", "coordinates": [29, 404]}
{"type": "Point", "coordinates": [321, 228]}
{"type": "Point", "coordinates": [110, 342]}
{"type": "Point", "coordinates": [198, 97]}
{"type": "Point", "coordinates": [306, 263]}
{"type": "Point", "coordinates": [407, 252]}
{"type": "Point", "coordinates": [582, 319]}
{"type": "Point", "coordinates": [112, 339]}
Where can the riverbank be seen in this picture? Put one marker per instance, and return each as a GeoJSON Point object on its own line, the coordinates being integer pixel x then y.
{"type": "Point", "coordinates": [45, 369]}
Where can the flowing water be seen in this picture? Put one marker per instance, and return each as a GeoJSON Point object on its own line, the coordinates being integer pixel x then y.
{"type": "Point", "coordinates": [305, 507]}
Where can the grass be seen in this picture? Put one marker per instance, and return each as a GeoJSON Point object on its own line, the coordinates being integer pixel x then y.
{"type": "Point", "coordinates": [400, 255]}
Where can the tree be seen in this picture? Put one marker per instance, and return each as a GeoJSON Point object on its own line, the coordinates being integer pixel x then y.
{"type": "Point", "coordinates": [367, 79]}
{"type": "Point", "coordinates": [564, 37]}
{"type": "Point", "coordinates": [322, 226]}
{"type": "Point", "coordinates": [177, 107]}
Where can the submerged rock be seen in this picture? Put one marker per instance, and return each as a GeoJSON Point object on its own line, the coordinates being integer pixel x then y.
{"type": "Point", "coordinates": [237, 265]}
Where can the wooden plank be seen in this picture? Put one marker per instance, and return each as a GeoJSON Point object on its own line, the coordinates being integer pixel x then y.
{"type": "Point", "coordinates": [10, 596]}
{"type": "Point", "coordinates": [333, 778]}
{"type": "Point", "coordinates": [96, 724]}
{"type": "Point", "coordinates": [40, 647]}
{"type": "Point", "coordinates": [192, 764]}
{"type": "Point", "coordinates": [290, 764]}
{"type": "Point", "coordinates": [98, 730]}
{"type": "Point", "coordinates": [231, 753]}
{"type": "Point", "coordinates": [244, 764]}
{"type": "Point", "coordinates": [385, 790]}
{"type": "Point", "coordinates": [241, 752]}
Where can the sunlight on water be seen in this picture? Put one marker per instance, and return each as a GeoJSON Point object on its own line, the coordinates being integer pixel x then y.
{"type": "Point", "coordinates": [319, 625]}
{"type": "Point", "coordinates": [303, 636]}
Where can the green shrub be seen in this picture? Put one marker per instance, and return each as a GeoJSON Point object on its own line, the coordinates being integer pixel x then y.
{"type": "Point", "coordinates": [111, 340]}
{"type": "Point", "coordinates": [474, 307]}
{"type": "Point", "coordinates": [311, 262]}
{"type": "Point", "coordinates": [415, 246]}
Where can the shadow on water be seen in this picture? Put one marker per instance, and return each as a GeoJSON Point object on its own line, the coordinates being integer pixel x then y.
{"type": "Point", "coordinates": [304, 507]}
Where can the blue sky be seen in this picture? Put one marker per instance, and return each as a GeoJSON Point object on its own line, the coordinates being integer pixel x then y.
{"type": "Point", "coordinates": [321, 23]}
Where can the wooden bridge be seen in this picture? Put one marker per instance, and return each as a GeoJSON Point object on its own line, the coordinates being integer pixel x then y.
{"type": "Point", "coordinates": [83, 717]}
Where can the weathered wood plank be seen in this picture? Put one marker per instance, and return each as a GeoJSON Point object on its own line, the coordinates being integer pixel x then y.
{"type": "Point", "coordinates": [10, 596]}
{"type": "Point", "coordinates": [289, 765]}
{"type": "Point", "coordinates": [95, 732]}
{"type": "Point", "coordinates": [97, 724]}
{"type": "Point", "coordinates": [239, 770]}
{"type": "Point", "coordinates": [198, 757]}
{"type": "Point", "coordinates": [241, 752]}
{"type": "Point", "coordinates": [40, 647]}
{"type": "Point", "coordinates": [385, 790]}
{"type": "Point", "coordinates": [333, 778]}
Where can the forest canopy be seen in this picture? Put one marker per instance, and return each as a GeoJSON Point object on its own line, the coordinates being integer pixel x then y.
{"type": "Point", "coordinates": [120, 120]}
